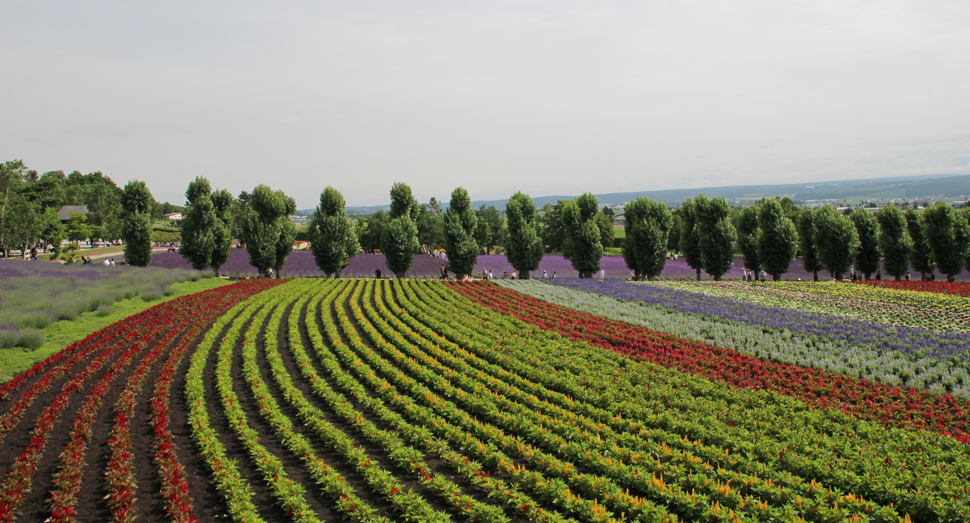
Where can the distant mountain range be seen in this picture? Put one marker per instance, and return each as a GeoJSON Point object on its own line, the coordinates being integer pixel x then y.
{"type": "Point", "coordinates": [902, 187]}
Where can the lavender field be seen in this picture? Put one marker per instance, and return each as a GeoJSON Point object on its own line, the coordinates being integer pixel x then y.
{"type": "Point", "coordinates": [34, 294]}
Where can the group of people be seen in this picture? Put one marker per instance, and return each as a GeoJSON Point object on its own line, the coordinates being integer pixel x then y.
{"type": "Point", "coordinates": [753, 275]}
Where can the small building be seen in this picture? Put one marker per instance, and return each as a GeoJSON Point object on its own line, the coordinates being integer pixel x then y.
{"type": "Point", "coordinates": [619, 219]}
{"type": "Point", "coordinates": [172, 216]}
{"type": "Point", "coordinates": [64, 213]}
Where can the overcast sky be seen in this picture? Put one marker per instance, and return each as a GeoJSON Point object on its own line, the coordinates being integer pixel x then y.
{"type": "Point", "coordinates": [545, 97]}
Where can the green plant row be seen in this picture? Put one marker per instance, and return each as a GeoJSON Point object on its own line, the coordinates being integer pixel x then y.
{"type": "Point", "coordinates": [729, 428]}
{"type": "Point", "coordinates": [511, 498]}
{"type": "Point", "coordinates": [411, 505]}
{"type": "Point", "coordinates": [562, 475]}
{"type": "Point", "coordinates": [619, 456]}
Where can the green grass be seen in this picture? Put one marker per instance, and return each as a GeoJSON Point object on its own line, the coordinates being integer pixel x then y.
{"type": "Point", "coordinates": [61, 334]}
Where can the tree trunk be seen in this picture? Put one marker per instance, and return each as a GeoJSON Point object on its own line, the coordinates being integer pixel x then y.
{"type": "Point", "coordinates": [837, 275]}
{"type": "Point", "coordinates": [216, 270]}
{"type": "Point", "coordinates": [651, 277]}
{"type": "Point", "coordinates": [717, 277]}
{"type": "Point", "coordinates": [815, 274]}
{"type": "Point", "coordinates": [524, 275]}
{"type": "Point", "coordinates": [897, 277]}
{"type": "Point", "coordinates": [336, 275]}
{"type": "Point", "coordinates": [698, 275]}
{"type": "Point", "coordinates": [776, 277]}
{"type": "Point", "coordinates": [400, 274]}
{"type": "Point", "coordinates": [868, 275]}
{"type": "Point", "coordinates": [950, 278]}
{"type": "Point", "coordinates": [279, 271]}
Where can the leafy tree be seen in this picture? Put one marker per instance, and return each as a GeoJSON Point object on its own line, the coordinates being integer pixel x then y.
{"type": "Point", "coordinates": [198, 225]}
{"type": "Point", "coordinates": [582, 246]}
{"type": "Point", "coordinates": [371, 229]}
{"type": "Point", "coordinates": [553, 234]}
{"type": "Point", "coordinates": [866, 225]}
{"type": "Point", "coordinates": [837, 240]}
{"type": "Point", "coordinates": [222, 207]}
{"type": "Point", "coordinates": [103, 199]}
{"type": "Point", "coordinates": [948, 236]}
{"type": "Point", "coordinates": [332, 236]}
{"type": "Point", "coordinates": [461, 224]}
{"type": "Point", "coordinates": [777, 239]}
{"type": "Point", "coordinates": [25, 222]}
{"type": "Point", "coordinates": [690, 240]}
{"type": "Point", "coordinates": [399, 239]}
{"type": "Point", "coordinates": [747, 227]}
{"type": "Point", "coordinates": [77, 227]}
{"type": "Point", "coordinates": [430, 225]}
{"type": "Point", "coordinates": [806, 242]}
{"type": "Point", "coordinates": [921, 256]}
{"type": "Point", "coordinates": [13, 173]}
{"type": "Point", "coordinates": [136, 209]}
{"type": "Point", "coordinates": [605, 224]}
{"type": "Point", "coordinates": [608, 211]}
{"type": "Point", "coordinates": [490, 231]}
{"type": "Point", "coordinates": [524, 248]}
{"type": "Point", "coordinates": [266, 229]}
{"type": "Point", "coordinates": [716, 234]}
{"type": "Point", "coordinates": [648, 226]}
{"type": "Point", "coordinates": [894, 241]}
{"type": "Point", "coordinates": [673, 238]}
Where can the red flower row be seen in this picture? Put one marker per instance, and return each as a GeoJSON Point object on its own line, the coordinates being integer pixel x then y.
{"type": "Point", "coordinates": [960, 288]}
{"type": "Point", "coordinates": [857, 397]}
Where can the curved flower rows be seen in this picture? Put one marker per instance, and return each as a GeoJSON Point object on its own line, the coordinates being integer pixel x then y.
{"type": "Point", "coordinates": [832, 355]}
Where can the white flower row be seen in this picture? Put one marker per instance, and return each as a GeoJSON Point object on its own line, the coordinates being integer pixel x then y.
{"type": "Point", "coordinates": [925, 373]}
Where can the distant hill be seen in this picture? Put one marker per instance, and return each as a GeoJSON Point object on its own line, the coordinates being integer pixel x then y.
{"type": "Point", "coordinates": [901, 187]}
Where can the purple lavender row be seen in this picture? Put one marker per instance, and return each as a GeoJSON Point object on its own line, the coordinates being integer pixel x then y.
{"type": "Point", "coordinates": [852, 331]}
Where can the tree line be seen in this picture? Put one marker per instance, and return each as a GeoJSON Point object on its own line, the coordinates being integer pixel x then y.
{"type": "Point", "coordinates": [768, 235]}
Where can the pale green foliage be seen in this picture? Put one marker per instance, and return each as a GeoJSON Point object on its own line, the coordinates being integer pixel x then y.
{"type": "Point", "coordinates": [894, 241]}
{"type": "Point", "coordinates": [136, 208]}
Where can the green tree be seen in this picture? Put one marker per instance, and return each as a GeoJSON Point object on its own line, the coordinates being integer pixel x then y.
{"type": "Point", "coordinates": [747, 227]}
{"type": "Point", "coordinates": [716, 234]}
{"type": "Point", "coordinates": [948, 236]}
{"type": "Point", "coordinates": [53, 232]}
{"type": "Point", "coordinates": [866, 225]}
{"type": "Point", "coordinates": [266, 228]}
{"type": "Point", "coordinates": [399, 239]}
{"type": "Point", "coordinates": [430, 225]}
{"type": "Point", "coordinates": [837, 240]}
{"type": "Point", "coordinates": [524, 248]}
{"type": "Point", "coordinates": [647, 225]}
{"type": "Point", "coordinates": [583, 247]}
{"type": "Point", "coordinates": [77, 227]}
{"type": "Point", "coordinates": [13, 173]}
{"type": "Point", "coordinates": [460, 225]}
{"type": "Point", "coordinates": [690, 240]}
{"type": "Point", "coordinates": [490, 231]}
{"type": "Point", "coordinates": [806, 240]}
{"type": "Point", "coordinates": [921, 256]}
{"type": "Point", "coordinates": [25, 222]}
{"type": "Point", "coordinates": [198, 225]}
{"type": "Point", "coordinates": [136, 209]}
{"type": "Point", "coordinates": [673, 238]}
{"type": "Point", "coordinates": [222, 207]}
{"type": "Point", "coordinates": [777, 239]}
{"type": "Point", "coordinates": [370, 230]}
{"type": "Point", "coordinates": [553, 234]}
{"type": "Point", "coordinates": [894, 240]}
{"type": "Point", "coordinates": [332, 236]}
{"type": "Point", "coordinates": [605, 224]}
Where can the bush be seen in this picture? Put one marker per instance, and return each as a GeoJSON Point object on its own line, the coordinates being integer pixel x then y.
{"type": "Point", "coordinates": [30, 339]}
{"type": "Point", "coordinates": [104, 310]}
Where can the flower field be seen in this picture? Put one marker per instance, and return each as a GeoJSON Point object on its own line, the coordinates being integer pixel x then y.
{"type": "Point", "coordinates": [404, 400]}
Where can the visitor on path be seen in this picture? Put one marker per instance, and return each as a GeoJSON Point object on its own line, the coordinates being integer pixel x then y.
{"type": "Point", "coordinates": [544, 275]}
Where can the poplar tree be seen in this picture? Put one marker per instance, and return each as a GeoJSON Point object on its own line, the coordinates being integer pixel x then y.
{"type": "Point", "coordinates": [747, 227]}
{"type": "Point", "coordinates": [583, 246]}
{"type": "Point", "coordinates": [867, 260]}
{"type": "Point", "coordinates": [894, 241]}
{"type": "Point", "coordinates": [777, 239]}
{"type": "Point", "coordinates": [690, 241]}
{"type": "Point", "coordinates": [648, 226]}
{"type": "Point", "coordinates": [806, 242]}
{"type": "Point", "coordinates": [333, 239]}
{"type": "Point", "coordinates": [524, 247]}
{"type": "Point", "coordinates": [222, 202]}
{"type": "Point", "coordinates": [266, 229]}
{"type": "Point", "coordinates": [921, 256]}
{"type": "Point", "coordinates": [948, 236]}
{"type": "Point", "coordinates": [460, 223]}
{"type": "Point", "coordinates": [716, 234]}
{"type": "Point", "coordinates": [136, 230]}
{"type": "Point", "coordinates": [837, 240]}
{"type": "Point", "coordinates": [198, 225]}
{"type": "Point", "coordinates": [399, 239]}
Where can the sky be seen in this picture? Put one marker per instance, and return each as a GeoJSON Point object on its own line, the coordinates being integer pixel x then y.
{"type": "Point", "coordinates": [548, 98]}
